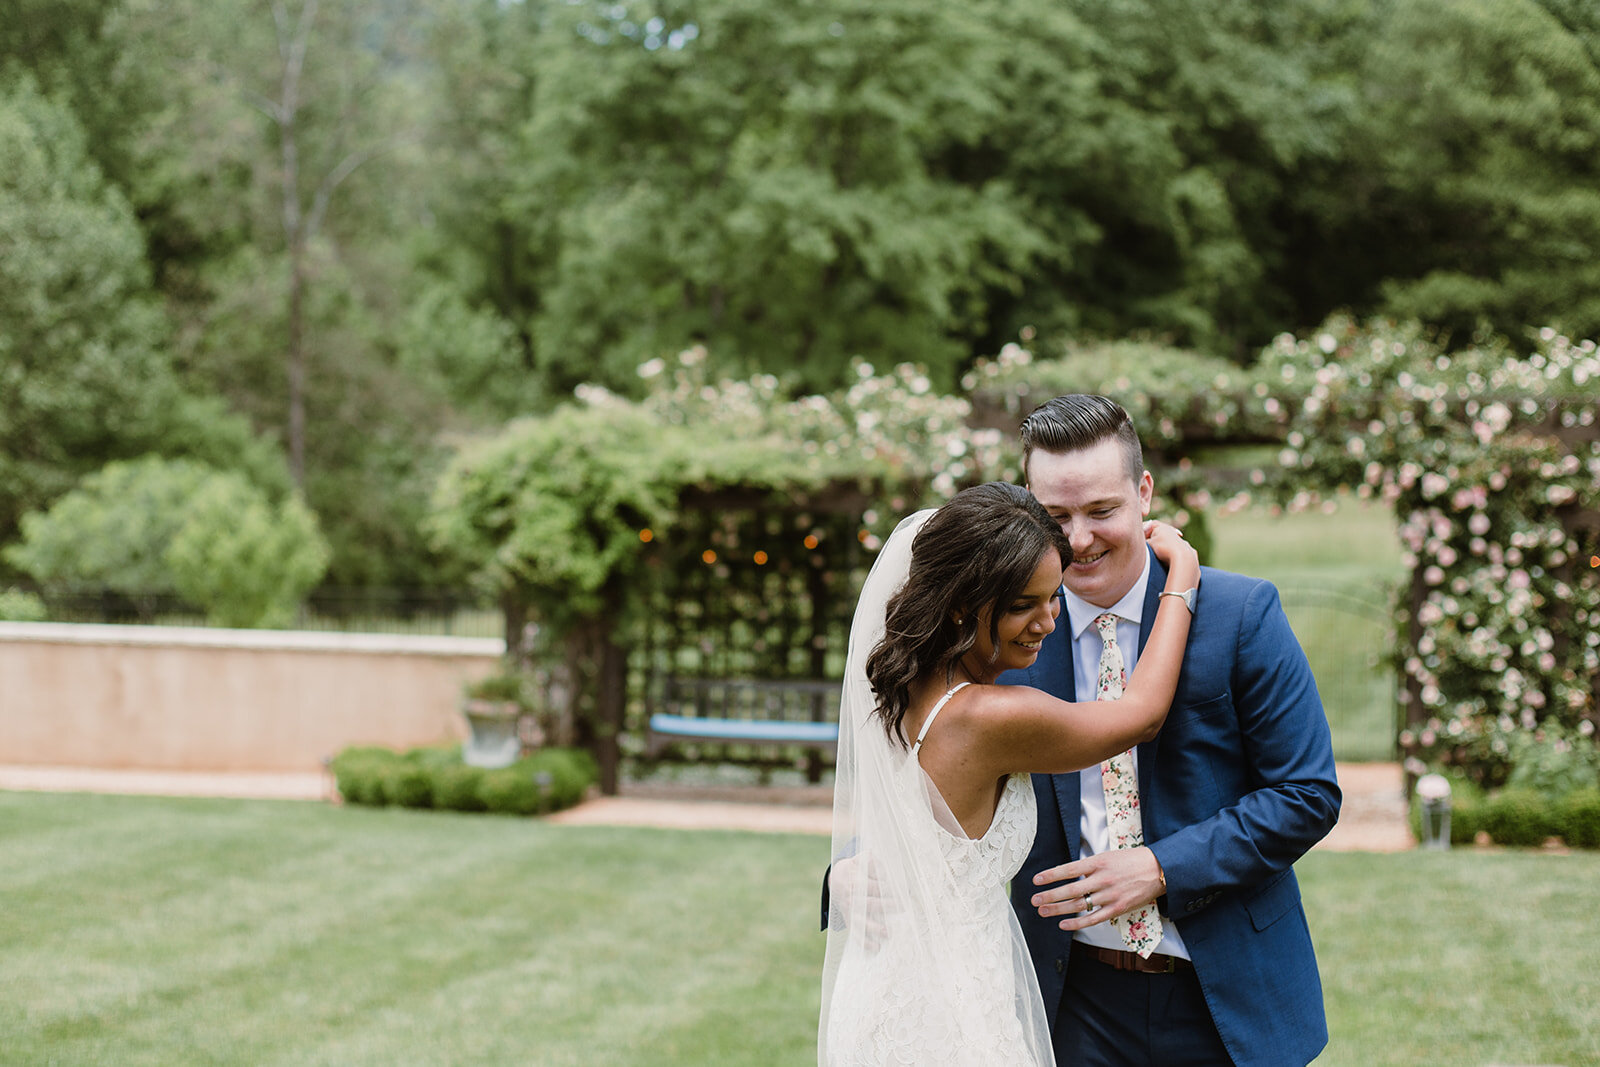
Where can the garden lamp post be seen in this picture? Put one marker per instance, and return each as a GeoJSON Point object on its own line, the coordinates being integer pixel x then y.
{"type": "Point", "coordinates": [1434, 791]}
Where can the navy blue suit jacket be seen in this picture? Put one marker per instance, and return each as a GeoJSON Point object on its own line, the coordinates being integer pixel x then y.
{"type": "Point", "coordinates": [1237, 785]}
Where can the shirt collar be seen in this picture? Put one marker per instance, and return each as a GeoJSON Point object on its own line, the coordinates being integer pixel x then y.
{"type": "Point", "coordinates": [1081, 614]}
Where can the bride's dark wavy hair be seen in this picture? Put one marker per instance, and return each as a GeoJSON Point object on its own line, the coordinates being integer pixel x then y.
{"type": "Point", "coordinates": [981, 549]}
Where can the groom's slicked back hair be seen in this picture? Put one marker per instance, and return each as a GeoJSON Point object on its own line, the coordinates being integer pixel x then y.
{"type": "Point", "coordinates": [1078, 421]}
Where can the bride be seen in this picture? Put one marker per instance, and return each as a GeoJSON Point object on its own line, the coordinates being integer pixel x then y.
{"type": "Point", "coordinates": [933, 810]}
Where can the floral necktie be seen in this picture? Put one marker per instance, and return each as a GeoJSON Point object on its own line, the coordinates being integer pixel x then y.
{"type": "Point", "coordinates": [1140, 928]}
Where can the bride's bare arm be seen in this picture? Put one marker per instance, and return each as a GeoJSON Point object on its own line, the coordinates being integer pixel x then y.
{"type": "Point", "coordinates": [1016, 728]}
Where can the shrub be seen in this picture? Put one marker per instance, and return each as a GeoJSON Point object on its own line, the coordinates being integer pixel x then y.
{"type": "Point", "coordinates": [1553, 761]}
{"type": "Point", "coordinates": [1579, 817]}
{"type": "Point", "coordinates": [435, 757]}
{"type": "Point", "coordinates": [19, 606]}
{"type": "Point", "coordinates": [407, 784]}
{"type": "Point", "coordinates": [456, 788]}
{"type": "Point", "coordinates": [548, 780]}
{"type": "Point", "coordinates": [502, 688]}
{"type": "Point", "coordinates": [245, 559]}
{"type": "Point", "coordinates": [514, 790]}
{"type": "Point", "coordinates": [1466, 816]}
{"type": "Point", "coordinates": [571, 772]}
{"type": "Point", "coordinates": [175, 526]}
{"type": "Point", "coordinates": [1519, 817]}
{"type": "Point", "coordinates": [359, 773]}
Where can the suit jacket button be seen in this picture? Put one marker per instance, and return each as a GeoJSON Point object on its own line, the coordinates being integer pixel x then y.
{"type": "Point", "coordinates": [1061, 965]}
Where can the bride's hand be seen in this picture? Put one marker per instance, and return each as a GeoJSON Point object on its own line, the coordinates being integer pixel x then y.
{"type": "Point", "coordinates": [1171, 549]}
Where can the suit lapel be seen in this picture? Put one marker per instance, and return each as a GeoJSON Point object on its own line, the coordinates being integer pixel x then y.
{"type": "Point", "coordinates": [1147, 751]}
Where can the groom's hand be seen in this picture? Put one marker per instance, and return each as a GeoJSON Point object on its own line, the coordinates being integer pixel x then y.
{"type": "Point", "coordinates": [1100, 887]}
{"type": "Point", "coordinates": [853, 884]}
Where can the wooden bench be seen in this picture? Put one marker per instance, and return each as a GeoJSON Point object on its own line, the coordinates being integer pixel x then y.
{"type": "Point", "coordinates": [742, 711]}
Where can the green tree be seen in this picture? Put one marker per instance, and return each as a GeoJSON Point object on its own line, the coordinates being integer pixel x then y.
{"type": "Point", "coordinates": [84, 373]}
{"type": "Point", "coordinates": [155, 526]}
{"type": "Point", "coordinates": [69, 49]}
{"type": "Point", "coordinates": [468, 354]}
{"type": "Point", "coordinates": [799, 184]}
{"type": "Point", "coordinates": [1467, 189]}
{"type": "Point", "coordinates": [1192, 128]}
{"type": "Point", "coordinates": [285, 167]}
{"type": "Point", "coordinates": [763, 178]}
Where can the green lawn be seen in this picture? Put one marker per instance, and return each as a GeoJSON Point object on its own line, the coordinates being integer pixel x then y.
{"type": "Point", "coordinates": [150, 931]}
{"type": "Point", "coordinates": [1356, 544]}
{"type": "Point", "coordinates": [1335, 573]}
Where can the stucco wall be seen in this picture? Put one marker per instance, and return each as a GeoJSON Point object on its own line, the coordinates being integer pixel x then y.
{"type": "Point", "coordinates": [224, 700]}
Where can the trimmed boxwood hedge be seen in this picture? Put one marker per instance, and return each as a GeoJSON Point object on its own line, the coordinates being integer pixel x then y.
{"type": "Point", "coordinates": [1519, 816]}
{"type": "Point", "coordinates": [547, 780]}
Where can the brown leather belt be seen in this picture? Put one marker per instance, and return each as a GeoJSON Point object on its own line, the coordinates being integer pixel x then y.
{"type": "Point", "coordinates": [1132, 961]}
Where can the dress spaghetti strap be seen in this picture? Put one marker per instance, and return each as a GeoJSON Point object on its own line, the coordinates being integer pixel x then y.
{"type": "Point", "coordinates": [934, 714]}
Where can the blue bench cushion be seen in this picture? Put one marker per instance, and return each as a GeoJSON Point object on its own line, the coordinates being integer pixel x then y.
{"type": "Point", "coordinates": [752, 730]}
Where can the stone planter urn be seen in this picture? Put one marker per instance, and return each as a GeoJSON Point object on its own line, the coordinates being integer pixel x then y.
{"type": "Point", "coordinates": [493, 740]}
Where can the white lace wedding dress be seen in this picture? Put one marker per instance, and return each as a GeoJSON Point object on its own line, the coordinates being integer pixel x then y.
{"type": "Point", "coordinates": [937, 971]}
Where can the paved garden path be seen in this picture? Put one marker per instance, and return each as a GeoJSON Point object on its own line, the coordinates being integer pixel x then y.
{"type": "Point", "coordinates": [1373, 818]}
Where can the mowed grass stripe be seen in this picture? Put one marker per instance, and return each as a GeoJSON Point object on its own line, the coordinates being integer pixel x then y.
{"type": "Point", "coordinates": [545, 930]}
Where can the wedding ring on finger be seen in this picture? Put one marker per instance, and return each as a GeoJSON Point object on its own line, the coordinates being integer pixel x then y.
{"type": "Point", "coordinates": [1088, 901]}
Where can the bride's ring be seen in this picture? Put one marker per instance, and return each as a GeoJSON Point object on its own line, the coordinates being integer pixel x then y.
{"type": "Point", "coordinates": [1088, 902]}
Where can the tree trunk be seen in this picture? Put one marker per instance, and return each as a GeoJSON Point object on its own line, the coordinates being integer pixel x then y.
{"type": "Point", "coordinates": [297, 365]}
{"type": "Point", "coordinates": [598, 669]}
{"type": "Point", "coordinates": [817, 595]}
{"type": "Point", "coordinates": [292, 42]}
{"type": "Point", "coordinates": [612, 703]}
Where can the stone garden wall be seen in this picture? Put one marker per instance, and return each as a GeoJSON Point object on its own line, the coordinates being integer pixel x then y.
{"type": "Point", "coordinates": [170, 698]}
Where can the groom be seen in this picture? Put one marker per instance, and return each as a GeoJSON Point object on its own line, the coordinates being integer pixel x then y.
{"type": "Point", "coordinates": [1238, 784]}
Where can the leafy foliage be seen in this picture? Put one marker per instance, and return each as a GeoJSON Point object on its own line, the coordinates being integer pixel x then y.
{"type": "Point", "coordinates": [247, 562]}
{"type": "Point", "coordinates": [1470, 449]}
{"type": "Point", "coordinates": [281, 185]}
{"type": "Point", "coordinates": [19, 606]}
{"type": "Point", "coordinates": [558, 507]}
{"type": "Point", "coordinates": [767, 180]}
{"type": "Point", "coordinates": [515, 199]}
{"type": "Point", "coordinates": [505, 687]}
{"type": "Point", "coordinates": [153, 526]}
{"type": "Point", "coordinates": [84, 376]}
{"type": "Point", "coordinates": [1485, 179]}
{"type": "Point", "coordinates": [1489, 457]}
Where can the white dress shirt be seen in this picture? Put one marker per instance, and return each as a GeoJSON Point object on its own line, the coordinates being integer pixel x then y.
{"type": "Point", "coordinates": [1086, 648]}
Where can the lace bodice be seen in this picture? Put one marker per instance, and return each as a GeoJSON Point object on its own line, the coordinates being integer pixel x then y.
{"type": "Point", "coordinates": [995, 858]}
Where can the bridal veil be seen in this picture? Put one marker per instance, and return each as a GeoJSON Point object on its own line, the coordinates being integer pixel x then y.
{"type": "Point", "coordinates": [925, 961]}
